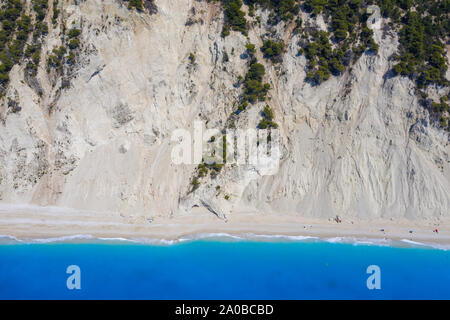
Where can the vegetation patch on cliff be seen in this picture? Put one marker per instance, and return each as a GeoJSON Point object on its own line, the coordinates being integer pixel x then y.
{"type": "Point", "coordinates": [424, 28]}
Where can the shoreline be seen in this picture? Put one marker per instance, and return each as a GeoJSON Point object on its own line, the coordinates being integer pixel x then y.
{"type": "Point", "coordinates": [222, 237]}
{"type": "Point", "coordinates": [44, 225]}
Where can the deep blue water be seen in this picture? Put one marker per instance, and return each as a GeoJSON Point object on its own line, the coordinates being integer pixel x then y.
{"type": "Point", "coordinates": [222, 270]}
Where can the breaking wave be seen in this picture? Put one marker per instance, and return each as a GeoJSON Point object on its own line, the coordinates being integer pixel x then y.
{"type": "Point", "coordinates": [86, 238]}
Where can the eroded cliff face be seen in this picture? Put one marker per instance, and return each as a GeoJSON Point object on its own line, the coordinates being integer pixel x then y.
{"type": "Point", "coordinates": [99, 137]}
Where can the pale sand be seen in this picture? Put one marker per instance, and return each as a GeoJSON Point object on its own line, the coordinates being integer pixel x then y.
{"type": "Point", "coordinates": [28, 223]}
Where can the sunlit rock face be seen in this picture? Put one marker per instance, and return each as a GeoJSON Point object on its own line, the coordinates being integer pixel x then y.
{"type": "Point", "coordinates": [98, 136]}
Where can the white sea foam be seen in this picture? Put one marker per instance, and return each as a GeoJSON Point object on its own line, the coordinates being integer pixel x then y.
{"type": "Point", "coordinates": [245, 237]}
{"type": "Point", "coordinates": [119, 239]}
{"type": "Point", "coordinates": [279, 237]}
{"type": "Point", "coordinates": [7, 239]}
{"type": "Point", "coordinates": [360, 241]}
{"type": "Point", "coordinates": [200, 236]}
{"type": "Point", "coordinates": [412, 242]}
{"type": "Point", "coordinates": [335, 240]}
{"type": "Point", "coordinates": [386, 242]}
{"type": "Point", "coordinates": [64, 238]}
{"type": "Point", "coordinates": [421, 244]}
{"type": "Point", "coordinates": [155, 241]}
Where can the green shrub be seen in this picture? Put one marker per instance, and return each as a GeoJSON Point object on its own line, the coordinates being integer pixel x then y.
{"type": "Point", "coordinates": [191, 58]}
{"type": "Point", "coordinates": [267, 120]}
{"type": "Point", "coordinates": [195, 184]}
{"type": "Point", "coordinates": [74, 33]}
{"type": "Point", "coordinates": [55, 12]}
{"type": "Point", "coordinates": [137, 4]}
{"type": "Point", "coordinates": [40, 7]}
{"type": "Point", "coordinates": [74, 43]}
{"type": "Point", "coordinates": [250, 49]}
{"type": "Point", "coordinates": [272, 50]}
{"type": "Point", "coordinates": [55, 60]}
{"type": "Point", "coordinates": [234, 17]}
{"type": "Point", "coordinates": [281, 10]}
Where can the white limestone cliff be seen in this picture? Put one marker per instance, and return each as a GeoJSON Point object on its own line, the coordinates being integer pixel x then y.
{"type": "Point", "coordinates": [359, 146]}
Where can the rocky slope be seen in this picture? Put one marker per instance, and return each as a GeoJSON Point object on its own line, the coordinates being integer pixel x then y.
{"type": "Point", "coordinates": [98, 135]}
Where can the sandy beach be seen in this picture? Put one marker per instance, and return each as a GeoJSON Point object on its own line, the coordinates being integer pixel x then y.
{"type": "Point", "coordinates": [29, 223]}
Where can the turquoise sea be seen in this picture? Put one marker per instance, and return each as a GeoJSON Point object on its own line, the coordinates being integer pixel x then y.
{"type": "Point", "coordinates": [222, 269]}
